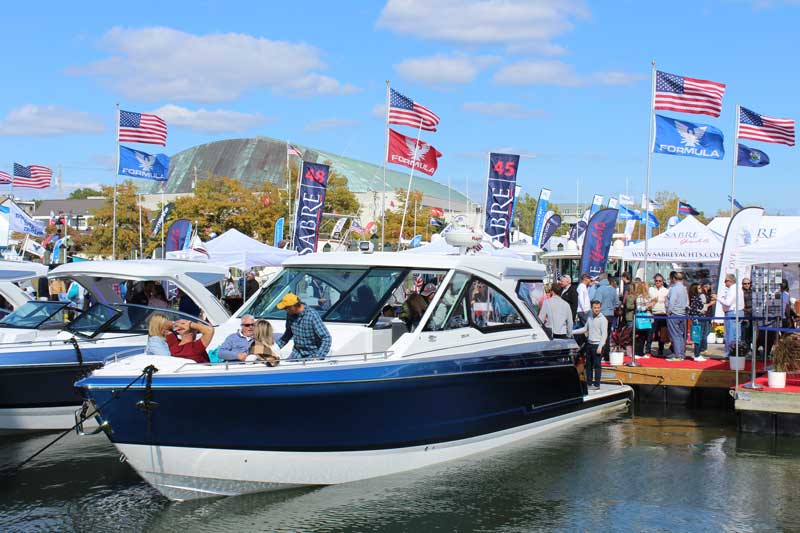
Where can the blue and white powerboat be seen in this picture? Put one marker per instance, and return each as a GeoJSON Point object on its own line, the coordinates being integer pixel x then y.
{"type": "Point", "coordinates": [43, 353]}
{"type": "Point", "coordinates": [11, 274]}
{"type": "Point", "coordinates": [475, 372]}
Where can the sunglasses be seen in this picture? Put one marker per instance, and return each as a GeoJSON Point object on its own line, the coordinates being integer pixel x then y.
{"type": "Point", "coordinates": [250, 325]}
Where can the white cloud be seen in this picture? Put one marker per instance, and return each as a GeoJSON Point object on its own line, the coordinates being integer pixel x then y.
{"type": "Point", "coordinates": [330, 123]}
{"type": "Point", "coordinates": [550, 72]}
{"type": "Point", "coordinates": [441, 70]}
{"type": "Point", "coordinates": [44, 120]}
{"type": "Point", "coordinates": [212, 121]}
{"type": "Point", "coordinates": [482, 21]}
{"type": "Point", "coordinates": [502, 109]}
{"type": "Point", "coordinates": [159, 63]}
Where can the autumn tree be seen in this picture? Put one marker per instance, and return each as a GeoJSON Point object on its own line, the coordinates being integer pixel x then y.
{"type": "Point", "coordinates": [101, 239]}
{"type": "Point", "coordinates": [83, 193]}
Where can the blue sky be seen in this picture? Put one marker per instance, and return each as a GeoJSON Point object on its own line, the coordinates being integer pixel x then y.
{"type": "Point", "coordinates": [566, 81]}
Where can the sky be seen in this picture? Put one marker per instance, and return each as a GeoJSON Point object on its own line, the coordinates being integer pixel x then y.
{"type": "Point", "coordinates": [566, 84]}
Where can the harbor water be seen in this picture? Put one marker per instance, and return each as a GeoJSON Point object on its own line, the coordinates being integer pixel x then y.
{"type": "Point", "coordinates": [662, 469]}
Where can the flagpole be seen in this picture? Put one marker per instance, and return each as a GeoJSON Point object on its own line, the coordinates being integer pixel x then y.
{"type": "Point", "coordinates": [651, 141]}
{"type": "Point", "coordinates": [410, 179]}
{"type": "Point", "coordinates": [116, 169]}
{"type": "Point", "coordinates": [163, 222]}
{"type": "Point", "coordinates": [141, 248]}
{"type": "Point", "coordinates": [385, 161]}
{"type": "Point", "coordinates": [735, 159]}
{"type": "Point", "coordinates": [449, 205]}
{"type": "Point", "coordinates": [288, 190]}
{"type": "Point", "coordinates": [486, 191]}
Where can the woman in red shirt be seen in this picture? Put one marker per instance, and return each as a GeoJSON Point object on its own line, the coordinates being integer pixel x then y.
{"type": "Point", "coordinates": [188, 346]}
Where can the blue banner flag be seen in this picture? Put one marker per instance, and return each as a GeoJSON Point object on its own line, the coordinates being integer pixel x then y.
{"type": "Point", "coordinates": [500, 197]}
{"type": "Point", "coordinates": [178, 234]}
{"type": "Point", "coordinates": [159, 222]}
{"type": "Point", "coordinates": [540, 216]}
{"type": "Point", "coordinates": [651, 219]}
{"type": "Point", "coordinates": [277, 236]}
{"type": "Point", "coordinates": [597, 204]}
{"type": "Point", "coordinates": [310, 205]}
{"type": "Point", "coordinates": [681, 137]}
{"type": "Point", "coordinates": [415, 242]}
{"type": "Point", "coordinates": [137, 164]}
{"type": "Point", "coordinates": [550, 226]}
{"type": "Point", "coordinates": [597, 244]}
{"type": "Point", "coordinates": [750, 157]}
{"type": "Point", "coordinates": [736, 203]}
{"type": "Point", "coordinates": [628, 214]}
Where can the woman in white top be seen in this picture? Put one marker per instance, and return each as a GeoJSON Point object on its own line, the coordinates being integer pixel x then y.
{"type": "Point", "coordinates": [658, 301]}
{"type": "Point", "coordinates": [157, 329]}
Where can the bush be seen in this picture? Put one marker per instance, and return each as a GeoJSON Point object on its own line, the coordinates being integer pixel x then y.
{"type": "Point", "coordinates": [786, 353]}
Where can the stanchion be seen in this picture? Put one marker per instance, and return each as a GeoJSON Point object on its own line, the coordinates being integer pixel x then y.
{"type": "Point", "coordinates": [754, 335]}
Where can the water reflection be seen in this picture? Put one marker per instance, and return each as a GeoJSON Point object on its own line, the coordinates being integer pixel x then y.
{"type": "Point", "coordinates": [661, 469]}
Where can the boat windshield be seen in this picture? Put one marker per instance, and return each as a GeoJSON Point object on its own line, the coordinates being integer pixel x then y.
{"type": "Point", "coordinates": [33, 315]}
{"type": "Point", "coordinates": [348, 294]}
{"type": "Point", "coordinates": [121, 318]}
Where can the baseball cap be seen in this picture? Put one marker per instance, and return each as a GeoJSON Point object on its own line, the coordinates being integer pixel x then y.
{"type": "Point", "coordinates": [289, 299]}
{"type": "Point", "coordinates": [429, 289]}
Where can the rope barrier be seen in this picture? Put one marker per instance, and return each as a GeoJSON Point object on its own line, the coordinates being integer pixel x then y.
{"type": "Point", "coordinates": [705, 318]}
{"type": "Point", "coordinates": [149, 371]}
{"type": "Point", "coordinates": [783, 330]}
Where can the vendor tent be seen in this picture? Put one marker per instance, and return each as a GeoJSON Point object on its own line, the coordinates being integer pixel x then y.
{"type": "Point", "coordinates": [781, 250]}
{"type": "Point", "coordinates": [689, 241]}
{"type": "Point", "coordinates": [235, 249]}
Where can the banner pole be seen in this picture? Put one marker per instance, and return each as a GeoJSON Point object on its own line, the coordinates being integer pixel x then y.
{"type": "Point", "coordinates": [735, 159]}
{"type": "Point", "coordinates": [288, 190]}
{"type": "Point", "coordinates": [408, 191]}
{"type": "Point", "coordinates": [141, 248]}
{"type": "Point", "coordinates": [116, 169]}
{"type": "Point", "coordinates": [163, 222]}
{"type": "Point", "coordinates": [650, 143]}
{"type": "Point", "coordinates": [385, 161]}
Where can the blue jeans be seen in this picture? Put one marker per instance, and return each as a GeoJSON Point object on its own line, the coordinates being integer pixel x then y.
{"type": "Point", "coordinates": [677, 335]}
{"type": "Point", "coordinates": [700, 346]}
{"type": "Point", "coordinates": [706, 325]}
{"type": "Point", "coordinates": [731, 337]}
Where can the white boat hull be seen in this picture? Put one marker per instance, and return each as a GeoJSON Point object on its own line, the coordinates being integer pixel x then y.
{"type": "Point", "coordinates": [40, 419]}
{"type": "Point", "coordinates": [181, 473]}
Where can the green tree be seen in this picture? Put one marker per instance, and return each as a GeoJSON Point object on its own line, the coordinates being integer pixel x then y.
{"type": "Point", "coordinates": [101, 239]}
{"type": "Point", "coordinates": [83, 193]}
{"type": "Point", "coordinates": [669, 207]}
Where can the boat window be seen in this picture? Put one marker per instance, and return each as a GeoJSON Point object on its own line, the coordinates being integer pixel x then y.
{"type": "Point", "coordinates": [532, 294]}
{"type": "Point", "coordinates": [122, 318]}
{"type": "Point", "coordinates": [90, 322]}
{"type": "Point", "coordinates": [490, 310]}
{"type": "Point", "coordinates": [362, 303]}
{"type": "Point", "coordinates": [32, 315]}
{"type": "Point", "coordinates": [318, 288]}
{"type": "Point", "coordinates": [447, 314]}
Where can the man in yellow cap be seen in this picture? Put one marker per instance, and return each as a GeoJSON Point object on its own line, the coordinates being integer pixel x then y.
{"type": "Point", "coordinates": [311, 337]}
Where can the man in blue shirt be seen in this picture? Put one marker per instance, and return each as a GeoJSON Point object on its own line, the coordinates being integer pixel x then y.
{"type": "Point", "coordinates": [609, 300]}
{"type": "Point", "coordinates": [237, 345]}
{"type": "Point", "coordinates": [311, 337]}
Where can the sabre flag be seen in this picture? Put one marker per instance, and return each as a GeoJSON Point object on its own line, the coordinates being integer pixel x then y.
{"type": "Point", "coordinates": [684, 138]}
{"type": "Point", "coordinates": [137, 164]}
{"type": "Point", "coordinates": [500, 197]}
{"type": "Point", "coordinates": [597, 244]}
{"type": "Point", "coordinates": [550, 228]}
{"type": "Point", "coordinates": [409, 152]}
{"type": "Point", "coordinates": [310, 206]}
{"type": "Point", "coordinates": [750, 157]}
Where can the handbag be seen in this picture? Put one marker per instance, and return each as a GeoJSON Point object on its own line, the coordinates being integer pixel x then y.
{"type": "Point", "coordinates": [697, 332]}
{"type": "Point", "coordinates": [643, 323]}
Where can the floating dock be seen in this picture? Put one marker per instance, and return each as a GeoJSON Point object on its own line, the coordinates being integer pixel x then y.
{"type": "Point", "coordinates": [768, 410]}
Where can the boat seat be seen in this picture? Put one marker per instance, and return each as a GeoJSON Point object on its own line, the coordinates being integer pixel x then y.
{"type": "Point", "coordinates": [397, 326]}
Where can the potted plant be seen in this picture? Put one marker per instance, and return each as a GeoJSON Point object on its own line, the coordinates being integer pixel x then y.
{"type": "Point", "coordinates": [719, 333]}
{"type": "Point", "coordinates": [785, 358]}
{"type": "Point", "coordinates": [737, 357]}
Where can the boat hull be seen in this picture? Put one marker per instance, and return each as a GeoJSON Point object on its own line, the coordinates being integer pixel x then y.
{"type": "Point", "coordinates": [182, 473]}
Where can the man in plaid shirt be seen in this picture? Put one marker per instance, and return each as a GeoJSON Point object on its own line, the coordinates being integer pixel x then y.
{"type": "Point", "coordinates": [311, 337]}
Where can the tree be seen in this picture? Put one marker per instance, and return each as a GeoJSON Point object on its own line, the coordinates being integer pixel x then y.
{"type": "Point", "coordinates": [83, 193]}
{"type": "Point", "coordinates": [669, 207]}
{"type": "Point", "coordinates": [127, 222]}
{"type": "Point", "coordinates": [394, 217]}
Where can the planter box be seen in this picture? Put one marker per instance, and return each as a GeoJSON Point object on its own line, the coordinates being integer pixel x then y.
{"type": "Point", "coordinates": [776, 380]}
{"type": "Point", "coordinates": [736, 363]}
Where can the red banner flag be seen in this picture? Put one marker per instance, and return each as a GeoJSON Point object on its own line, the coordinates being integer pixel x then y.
{"type": "Point", "coordinates": [407, 152]}
{"type": "Point", "coordinates": [437, 212]}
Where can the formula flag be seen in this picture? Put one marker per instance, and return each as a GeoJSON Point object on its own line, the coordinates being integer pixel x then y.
{"type": "Point", "coordinates": [684, 138]}
{"type": "Point", "coordinates": [408, 152]}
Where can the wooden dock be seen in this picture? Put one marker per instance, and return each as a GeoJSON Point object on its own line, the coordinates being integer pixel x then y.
{"type": "Point", "coordinates": [767, 410]}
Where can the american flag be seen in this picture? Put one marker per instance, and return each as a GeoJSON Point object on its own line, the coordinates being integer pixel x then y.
{"type": "Point", "coordinates": [406, 112]}
{"type": "Point", "coordinates": [688, 95]}
{"type": "Point", "coordinates": [5, 178]}
{"type": "Point", "coordinates": [32, 177]}
{"type": "Point", "coordinates": [142, 128]}
{"type": "Point", "coordinates": [291, 150]}
{"type": "Point", "coordinates": [760, 128]}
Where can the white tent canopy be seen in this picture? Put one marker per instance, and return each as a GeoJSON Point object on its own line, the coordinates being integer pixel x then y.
{"type": "Point", "coordinates": [780, 250]}
{"type": "Point", "coordinates": [689, 241]}
{"type": "Point", "coordinates": [770, 227]}
{"type": "Point", "coordinates": [235, 249]}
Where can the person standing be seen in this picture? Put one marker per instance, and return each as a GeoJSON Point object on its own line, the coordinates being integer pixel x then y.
{"type": "Point", "coordinates": [596, 329]}
{"type": "Point", "coordinates": [584, 302]}
{"type": "Point", "coordinates": [747, 311]}
{"type": "Point", "coordinates": [697, 309]}
{"type": "Point", "coordinates": [732, 302]}
{"type": "Point", "coordinates": [311, 337]}
{"type": "Point", "coordinates": [711, 302]}
{"type": "Point", "coordinates": [658, 300]}
{"type": "Point", "coordinates": [609, 301]}
{"type": "Point", "coordinates": [557, 315]}
{"type": "Point", "coordinates": [643, 305]}
{"type": "Point", "coordinates": [676, 305]}
{"type": "Point", "coordinates": [569, 294]}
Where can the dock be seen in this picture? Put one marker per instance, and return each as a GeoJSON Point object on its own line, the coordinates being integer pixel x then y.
{"type": "Point", "coordinates": [769, 410]}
